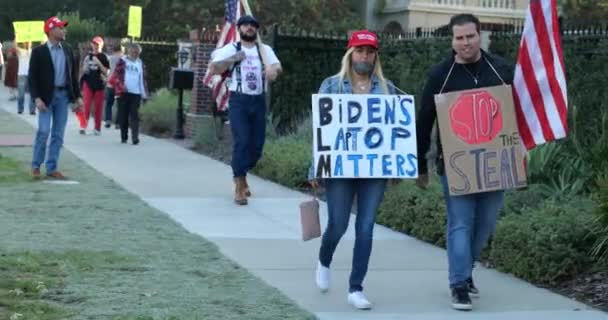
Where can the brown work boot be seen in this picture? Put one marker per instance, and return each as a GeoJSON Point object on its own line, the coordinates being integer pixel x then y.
{"type": "Point", "coordinates": [239, 191]}
{"type": "Point", "coordinates": [247, 191]}
{"type": "Point", "coordinates": [36, 173]}
{"type": "Point", "coordinates": [56, 175]}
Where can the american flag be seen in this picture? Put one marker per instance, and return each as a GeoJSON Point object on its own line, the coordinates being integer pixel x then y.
{"type": "Point", "coordinates": [229, 34]}
{"type": "Point", "coordinates": [539, 85]}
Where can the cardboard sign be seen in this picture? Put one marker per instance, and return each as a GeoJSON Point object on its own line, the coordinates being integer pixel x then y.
{"type": "Point", "coordinates": [364, 136]}
{"type": "Point", "coordinates": [480, 140]}
{"type": "Point", "coordinates": [29, 31]}
{"type": "Point", "coordinates": [134, 29]}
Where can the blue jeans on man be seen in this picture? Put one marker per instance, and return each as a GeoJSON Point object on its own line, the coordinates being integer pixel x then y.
{"type": "Point", "coordinates": [340, 196]}
{"type": "Point", "coordinates": [247, 115]}
{"type": "Point", "coordinates": [53, 122]}
{"type": "Point", "coordinates": [22, 88]}
{"type": "Point", "coordinates": [471, 222]}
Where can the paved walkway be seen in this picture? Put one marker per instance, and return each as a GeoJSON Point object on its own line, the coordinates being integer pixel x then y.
{"type": "Point", "coordinates": [407, 278]}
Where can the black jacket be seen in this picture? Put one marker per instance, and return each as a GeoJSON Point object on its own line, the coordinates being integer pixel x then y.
{"type": "Point", "coordinates": [459, 79]}
{"type": "Point", "coordinates": [41, 75]}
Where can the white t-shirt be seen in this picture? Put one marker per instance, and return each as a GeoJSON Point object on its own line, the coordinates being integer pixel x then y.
{"type": "Point", "coordinates": [251, 67]}
{"type": "Point", "coordinates": [134, 76]}
{"type": "Point", "coordinates": [24, 61]}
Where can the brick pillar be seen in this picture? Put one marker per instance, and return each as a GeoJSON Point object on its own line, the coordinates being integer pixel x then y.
{"type": "Point", "coordinates": [202, 104]}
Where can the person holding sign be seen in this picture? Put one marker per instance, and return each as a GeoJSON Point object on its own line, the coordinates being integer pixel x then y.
{"type": "Point", "coordinates": [471, 217]}
{"type": "Point", "coordinates": [249, 64]}
{"type": "Point", "coordinates": [53, 83]}
{"type": "Point", "coordinates": [361, 73]}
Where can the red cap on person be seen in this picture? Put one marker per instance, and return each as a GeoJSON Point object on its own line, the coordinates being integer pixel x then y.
{"type": "Point", "coordinates": [98, 40]}
{"type": "Point", "coordinates": [363, 38]}
{"type": "Point", "coordinates": [53, 22]}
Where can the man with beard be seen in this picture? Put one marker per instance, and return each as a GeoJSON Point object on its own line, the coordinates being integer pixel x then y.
{"type": "Point", "coordinates": [471, 217]}
{"type": "Point", "coordinates": [249, 64]}
{"type": "Point", "coordinates": [53, 83]}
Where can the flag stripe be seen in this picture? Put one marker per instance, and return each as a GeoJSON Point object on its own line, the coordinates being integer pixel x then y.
{"type": "Point", "coordinates": [229, 34]}
{"type": "Point", "coordinates": [522, 98]}
{"type": "Point", "coordinates": [534, 91]}
{"type": "Point", "coordinates": [548, 60]}
{"type": "Point", "coordinates": [524, 130]}
{"type": "Point", "coordinates": [539, 84]}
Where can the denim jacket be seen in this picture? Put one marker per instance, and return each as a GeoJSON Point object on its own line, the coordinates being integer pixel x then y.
{"type": "Point", "coordinates": [332, 85]}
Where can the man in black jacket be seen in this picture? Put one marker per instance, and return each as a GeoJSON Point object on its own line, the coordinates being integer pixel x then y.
{"type": "Point", "coordinates": [53, 83]}
{"type": "Point", "coordinates": [471, 218]}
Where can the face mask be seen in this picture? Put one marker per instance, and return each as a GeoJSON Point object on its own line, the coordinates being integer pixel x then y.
{"type": "Point", "coordinates": [363, 67]}
{"type": "Point", "coordinates": [248, 38]}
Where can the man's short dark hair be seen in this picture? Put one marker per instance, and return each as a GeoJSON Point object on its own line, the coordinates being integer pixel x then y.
{"type": "Point", "coordinates": [463, 18]}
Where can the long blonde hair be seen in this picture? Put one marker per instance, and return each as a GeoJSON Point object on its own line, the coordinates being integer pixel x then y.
{"type": "Point", "coordinates": [346, 71]}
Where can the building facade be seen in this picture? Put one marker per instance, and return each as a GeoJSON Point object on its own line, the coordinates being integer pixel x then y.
{"type": "Point", "coordinates": [399, 16]}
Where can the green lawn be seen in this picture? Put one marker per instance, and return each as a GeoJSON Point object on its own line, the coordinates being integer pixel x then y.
{"type": "Point", "coordinates": [95, 251]}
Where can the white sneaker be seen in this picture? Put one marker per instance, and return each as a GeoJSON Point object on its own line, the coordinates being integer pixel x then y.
{"type": "Point", "coordinates": [358, 300]}
{"type": "Point", "coordinates": [97, 132]}
{"type": "Point", "coordinates": [322, 277]}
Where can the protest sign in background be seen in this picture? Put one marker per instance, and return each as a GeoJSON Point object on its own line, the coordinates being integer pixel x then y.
{"type": "Point", "coordinates": [480, 140]}
{"type": "Point", "coordinates": [29, 31]}
{"type": "Point", "coordinates": [134, 27]}
{"type": "Point", "coordinates": [364, 136]}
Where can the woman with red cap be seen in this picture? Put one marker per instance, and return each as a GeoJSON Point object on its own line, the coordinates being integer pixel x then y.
{"type": "Point", "coordinates": [94, 73]}
{"type": "Point", "coordinates": [361, 73]}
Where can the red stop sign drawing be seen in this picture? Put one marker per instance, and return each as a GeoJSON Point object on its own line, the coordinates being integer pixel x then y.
{"type": "Point", "coordinates": [476, 117]}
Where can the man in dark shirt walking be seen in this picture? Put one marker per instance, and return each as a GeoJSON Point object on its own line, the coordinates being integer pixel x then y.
{"type": "Point", "coordinates": [472, 217]}
{"type": "Point", "coordinates": [53, 82]}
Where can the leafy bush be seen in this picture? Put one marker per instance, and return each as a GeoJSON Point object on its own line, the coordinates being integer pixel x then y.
{"type": "Point", "coordinates": [419, 213]}
{"type": "Point", "coordinates": [82, 30]}
{"type": "Point", "coordinates": [158, 115]}
{"type": "Point", "coordinates": [520, 201]}
{"type": "Point", "coordinates": [600, 222]}
{"type": "Point", "coordinates": [286, 159]}
{"type": "Point", "coordinates": [547, 244]}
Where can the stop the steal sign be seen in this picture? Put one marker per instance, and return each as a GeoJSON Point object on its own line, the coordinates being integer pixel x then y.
{"type": "Point", "coordinates": [481, 146]}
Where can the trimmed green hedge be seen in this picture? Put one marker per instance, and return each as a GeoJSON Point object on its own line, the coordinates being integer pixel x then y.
{"type": "Point", "coordinates": [547, 244]}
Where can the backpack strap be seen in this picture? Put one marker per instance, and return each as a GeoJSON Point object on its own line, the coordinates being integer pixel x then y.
{"type": "Point", "coordinates": [237, 67]}
{"type": "Point", "coordinates": [257, 46]}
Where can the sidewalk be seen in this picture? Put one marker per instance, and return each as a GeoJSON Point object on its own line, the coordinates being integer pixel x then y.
{"type": "Point", "coordinates": [407, 278]}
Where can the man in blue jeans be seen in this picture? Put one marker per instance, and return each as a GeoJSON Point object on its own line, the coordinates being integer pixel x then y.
{"type": "Point", "coordinates": [250, 64]}
{"type": "Point", "coordinates": [472, 217]}
{"type": "Point", "coordinates": [53, 82]}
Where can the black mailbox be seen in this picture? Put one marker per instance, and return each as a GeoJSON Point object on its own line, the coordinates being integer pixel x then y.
{"type": "Point", "coordinates": [181, 79]}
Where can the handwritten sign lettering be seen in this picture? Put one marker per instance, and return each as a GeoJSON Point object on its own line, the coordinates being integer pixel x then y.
{"type": "Point", "coordinates": [364, 136]}
{"type": "Point", "coordinates": [480, 140]}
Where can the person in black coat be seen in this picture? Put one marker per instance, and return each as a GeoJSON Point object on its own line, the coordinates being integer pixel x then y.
{"type": "Point", "coordinates": [472, 217]}
{"type": "Point", "coordinates": [53, 83]}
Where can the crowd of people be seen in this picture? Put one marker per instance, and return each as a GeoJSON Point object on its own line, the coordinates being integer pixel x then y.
{"type": "Point", "coordinates": [55, 83]}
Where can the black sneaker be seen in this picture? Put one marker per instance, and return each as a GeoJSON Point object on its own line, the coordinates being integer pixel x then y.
{"type": "Point", "coordinates": [472, 288]}
{"type": "Point", "coordinates": [460, 298]}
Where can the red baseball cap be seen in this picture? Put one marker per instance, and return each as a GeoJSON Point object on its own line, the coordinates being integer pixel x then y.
{"type": "Point", "coordinates": [363, 38]}
{"type": "Point", "coordinates": [98, 40]}
{"type": "Point", "coordinates": [53, 22]}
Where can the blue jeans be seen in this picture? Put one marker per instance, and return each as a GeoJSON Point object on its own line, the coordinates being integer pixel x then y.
{"type": "Point", "coordinates": [340, 195]}
{"type": "Point", "coordinates": [109, 104]}
{"type": "Point", "coordinates": [248, 125]}
{"type": "Point", "coordinates": [471, 221]}
{"type": "Point", "coordinates": [21, 89]}
{"type": "Point", "coordinates": [57, 114]}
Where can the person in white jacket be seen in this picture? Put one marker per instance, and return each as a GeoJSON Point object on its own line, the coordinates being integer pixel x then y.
{"type": "Point", "coordinates": [128, 81]}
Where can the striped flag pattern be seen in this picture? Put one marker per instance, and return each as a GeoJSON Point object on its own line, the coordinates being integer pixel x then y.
{"type": "Point", "coordinates": [539, 85]}
{"type": "Point", "coordinates": [229, 34]}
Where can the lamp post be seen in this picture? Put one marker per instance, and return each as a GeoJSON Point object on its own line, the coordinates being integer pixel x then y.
{"type": "Point", "coordinates": [179, 83]}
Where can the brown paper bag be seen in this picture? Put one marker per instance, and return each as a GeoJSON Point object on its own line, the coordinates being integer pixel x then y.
{"type": "Point", "coordinates": [309, 218]}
